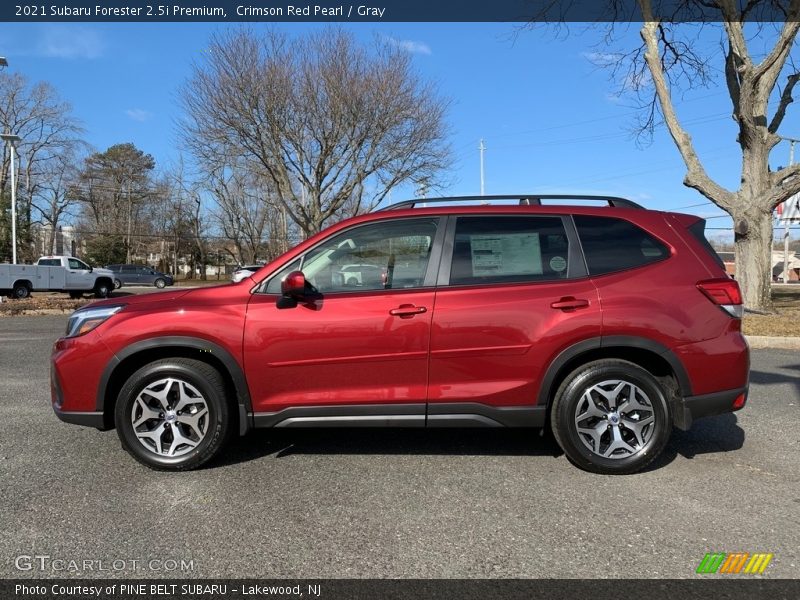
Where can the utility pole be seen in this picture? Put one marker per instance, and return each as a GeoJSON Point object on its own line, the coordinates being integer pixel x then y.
{"type": "Point", "coordinates": [792, 142]}
{"type": "Point", "coordinates": [786, 226]}
{"type": "Point", "coordinates": [482, 148]}
{"type": "Point", "coordinates": [13, 139]}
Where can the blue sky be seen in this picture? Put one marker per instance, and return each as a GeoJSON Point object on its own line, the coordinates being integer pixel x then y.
{"type": "Point", "coordinates": [549, 117]}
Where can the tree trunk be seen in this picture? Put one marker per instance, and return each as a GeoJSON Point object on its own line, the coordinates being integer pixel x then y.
{"type": "Point", "coordinates": [754, 256]}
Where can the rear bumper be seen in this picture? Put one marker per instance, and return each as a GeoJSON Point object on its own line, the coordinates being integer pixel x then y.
{"type": "Point", "coordinates": [87, 419]}
{"type": "Point", "coordinates": [688, 409]}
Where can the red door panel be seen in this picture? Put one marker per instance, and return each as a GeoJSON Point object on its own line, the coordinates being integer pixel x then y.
{"type": "Point", "coordinates": [343, 349]}
{"type": "Point", "coordinates": [493, 344]}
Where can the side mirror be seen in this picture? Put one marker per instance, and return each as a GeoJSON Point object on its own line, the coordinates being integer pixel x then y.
{"type": "Point", "coordinates": [294, 285]}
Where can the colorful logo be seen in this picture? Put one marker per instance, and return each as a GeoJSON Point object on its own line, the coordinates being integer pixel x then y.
{"type": "Point", "coordinates": [736, 562]}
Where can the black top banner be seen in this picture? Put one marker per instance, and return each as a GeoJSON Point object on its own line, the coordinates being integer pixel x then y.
{"type": "Point", "coordinates": [276, 11]}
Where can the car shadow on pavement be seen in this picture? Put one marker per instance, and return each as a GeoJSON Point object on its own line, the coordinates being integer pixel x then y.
{"type": "Point", "coordinates": [709, 435]}
{"type": "Point", "coordinates": [447, 442]}
{"type": "Point", "coordinates": [773, 378]}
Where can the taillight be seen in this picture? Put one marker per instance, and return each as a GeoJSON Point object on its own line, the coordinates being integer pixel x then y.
{"type": "Point", "coordinates": [740, 401]}
{"type": "Point", "coordinates": [725, 294]}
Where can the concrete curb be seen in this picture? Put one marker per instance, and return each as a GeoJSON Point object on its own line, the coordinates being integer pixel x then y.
{"type": "Point", "coordinates": [767, 341]}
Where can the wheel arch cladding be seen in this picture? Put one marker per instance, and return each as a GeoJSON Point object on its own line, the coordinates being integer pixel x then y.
{"type": "Point", "coordinates": [648, 354]}
{"type": "Point", "coordinates": [135, 356]}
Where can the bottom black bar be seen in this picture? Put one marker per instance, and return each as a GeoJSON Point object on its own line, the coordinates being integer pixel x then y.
{"type": "Point", "coordinates": [730, 588]}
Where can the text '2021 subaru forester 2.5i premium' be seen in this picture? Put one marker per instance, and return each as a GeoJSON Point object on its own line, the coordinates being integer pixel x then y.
{"type": "Point", "coordinates": [608, 323]}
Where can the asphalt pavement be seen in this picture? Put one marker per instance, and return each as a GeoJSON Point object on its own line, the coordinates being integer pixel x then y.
{"type": "Point", "coordinates": [390, 503]}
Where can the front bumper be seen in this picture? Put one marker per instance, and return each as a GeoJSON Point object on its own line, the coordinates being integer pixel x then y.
{"type": "Point", "coordinates": [687, 410]}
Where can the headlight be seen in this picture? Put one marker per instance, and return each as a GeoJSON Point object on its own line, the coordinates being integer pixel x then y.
{"type": "Point", "coordinates": [83, 321]}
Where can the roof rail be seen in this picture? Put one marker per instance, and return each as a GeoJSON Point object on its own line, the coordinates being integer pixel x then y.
{"type": "Point", "coordinates": [524, 200]}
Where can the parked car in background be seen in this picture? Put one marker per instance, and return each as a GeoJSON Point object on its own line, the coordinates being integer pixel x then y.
{"type": "Point", "coordinates": [242, 272]}
{"type": "Point", "coordinates": [139, 275]}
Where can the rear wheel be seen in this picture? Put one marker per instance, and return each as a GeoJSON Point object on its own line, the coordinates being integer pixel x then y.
{"type": "Point", "coordinates": [611, 416]}
{"type": "Point", "coordinates": [21, 291]}
{"type": "Point", "coordinates": [102, 289]}
{"type": "Point", "coordinates": [173, 414]}
{"type": "Point", "coordinates": [117, 284]}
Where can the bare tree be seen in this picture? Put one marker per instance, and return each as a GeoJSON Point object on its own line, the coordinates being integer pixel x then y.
{"type": "Point", "coordinates": [326, 121]}
{"type": "Point", "coordinates": [47, 128]}
{"type": "Point", "coordinates": [53, 198]}
{"type": "Point", "coordinates": [756, 38]}
{"type": "Point", "coordinates": [244, 211]}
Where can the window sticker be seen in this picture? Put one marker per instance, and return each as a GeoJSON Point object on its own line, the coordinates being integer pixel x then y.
{"type": "Point", "coordinates": [558, 263]}
{"type": "Point", "coordinates": [508, 254]}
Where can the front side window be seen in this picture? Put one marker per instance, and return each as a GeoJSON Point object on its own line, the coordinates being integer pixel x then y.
{"type": "Point", "coordinates": [378, 256]}
{"type": "Point", "coordinates": [74, 263]}
{"type": "Point", "coordinates": [509, 250]}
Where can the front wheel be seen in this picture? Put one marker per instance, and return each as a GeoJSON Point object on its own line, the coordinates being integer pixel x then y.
{"type": "Point", "coordinates": [173, 414]}
{"type": "Point", "coordinates": [160, 283]}
{"type": "Point", "coordinates": [611, 416]}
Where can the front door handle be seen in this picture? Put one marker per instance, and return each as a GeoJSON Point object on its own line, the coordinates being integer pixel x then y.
{"type": "Point", "coordinates": [569, 303]}
{"type": "Point", "coordinates": [405, 311]}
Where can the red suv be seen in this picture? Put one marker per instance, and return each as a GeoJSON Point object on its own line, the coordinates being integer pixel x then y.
{"type": "Point", "coordinates": [609, 324]}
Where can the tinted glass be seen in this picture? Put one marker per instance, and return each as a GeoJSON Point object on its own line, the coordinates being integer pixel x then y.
{"type": "Point", "coordinates": [698, 230]}
{"type": "Point", "coordinates": [509, 250]}
{"type": "Point", "coordinates": [49, 262]}
{"type": "Point", "coordinates": [611, 244]}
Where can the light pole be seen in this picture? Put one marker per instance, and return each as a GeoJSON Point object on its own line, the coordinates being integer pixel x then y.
{"type": "Point", "coordinates": [12, 139]}
{"type": "Point", "coordinates": [792, 142]}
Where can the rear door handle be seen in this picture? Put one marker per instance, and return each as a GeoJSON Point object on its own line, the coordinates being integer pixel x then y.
{"type": "Point", "coordinates": [407, 310]}
{"type": "Point", "coordinates": [569, 303]}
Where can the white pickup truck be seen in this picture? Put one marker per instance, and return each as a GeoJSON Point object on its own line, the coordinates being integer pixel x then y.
{"type": "Point", "coordinates": [55, 273]}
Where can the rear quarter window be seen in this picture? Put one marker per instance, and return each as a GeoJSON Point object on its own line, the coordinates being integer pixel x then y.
{"type": "Point", "coordinates": [698, 231]}
{"type": "Point", "coordinates": [611, 244]}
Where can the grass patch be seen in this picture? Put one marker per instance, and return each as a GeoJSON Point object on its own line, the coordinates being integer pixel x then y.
{"type": "Point", "coordinates": [786, 323]}
{"type": "Point", "coordinates": [38, 304]}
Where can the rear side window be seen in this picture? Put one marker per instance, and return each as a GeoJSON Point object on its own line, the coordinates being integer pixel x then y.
{"type": "Point", "coordinates": [509, 250]}
{"type": "Point", "coordinates": [49, 262]}
{"type": "Point", "coordinates": [611, 244]}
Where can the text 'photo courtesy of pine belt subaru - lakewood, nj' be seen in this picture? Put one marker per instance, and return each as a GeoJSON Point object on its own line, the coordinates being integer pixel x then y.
{"type": "Point", "coordinates": [589, 315]}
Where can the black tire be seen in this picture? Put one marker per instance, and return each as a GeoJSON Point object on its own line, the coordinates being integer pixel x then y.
{"type": "Point", "coordinates": [21, 291]}
{"type": "Point", "coordinates": [102, 289]}
{"type": "Point", "coordinates": [76, 295]}
{"type": "Point", "coordinates": [569, 400]}
{"type": "Point", "coordinates": [207, 381]}
{"type": "Point", "coordinates": [117, 284]}
{"type": "Point", "coordinates": [160, 283]}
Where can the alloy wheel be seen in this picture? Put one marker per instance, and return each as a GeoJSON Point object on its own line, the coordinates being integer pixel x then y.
{"type": "Point", "coordinates": [615, 419]}
{"type": "Point", "coordinates": [170, 417]}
